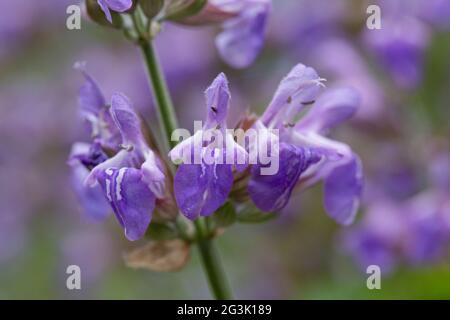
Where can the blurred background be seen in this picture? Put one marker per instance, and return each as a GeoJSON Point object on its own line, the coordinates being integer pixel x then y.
{"type": "Point", "coordinates": [401, 132]}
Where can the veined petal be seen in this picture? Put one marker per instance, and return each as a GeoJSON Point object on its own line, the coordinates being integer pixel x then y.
{"type": "Point", "coordinates": [300, 87]}
{"type": "Point", "coordinates": [243, 37]}
{"type": "Point", "coordinates": [95, 112]}
{"type": "Point", "coordinates": [131, 199]}
{"type": "Point", "coordinates": [90, 97]}
{"type": "Point", "coordinates": [330, 109]}
{"type": "Point", "coordinates": [217, 102]}
{"type": "Point", "coordinates": [126, 120]}
{"type": "Point", "coordinates": [120, 160]}
{"type": "Point", "coordinates": [342, 191]}
{"type": "Point", "coordinates": [272, 192]}
{"type": "Point", "coordinates": [89, 155]}
{"type": "Point", "coordinates": [200, 189]}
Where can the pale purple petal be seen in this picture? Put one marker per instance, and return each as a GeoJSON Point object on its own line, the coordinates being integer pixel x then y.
{"type": "Point", "coordinates": [300, 87]}
{"type": "Point", "coordinates": [201, 189]}
{"type": "Point", "coordinates": [330, 109]}
{"type": "Point", "coordinates": [126, 119]}
{"type": "Point", "coordinates": [92, 200]}
{"type": "Point", "coordinates": [104, 6]}
{"type": "Point", "coordinates": [217, 98]}
{"type": "Point", "coordinates": [243, 37]}
{"type": "Point", "coordinates": [130, 198]}
{"type": "Point", "coordinates": [119, 5]}
{"type": "Point", "coordinates": [272, 192]}
{"type": "Point", "coordinates": [90, 97]}
{"type": "Point", "coordinates": [89, 155]}
{"type": "Point", "coordinates": [342, 191]}
{"type": "Point", "coordinates": [115, 5]}
{"type": "Point", "coordinates": [400, 47]}
{"type": "Point", "coordinates": [152, 174]}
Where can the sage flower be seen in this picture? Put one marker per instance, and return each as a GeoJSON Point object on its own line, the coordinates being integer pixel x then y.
{"type": "Point", "coordinates": [131, 176]}
{"type": "Point", "coordinates": [306, 154]}
{"type": "Point", "coordinates": [201, 188]}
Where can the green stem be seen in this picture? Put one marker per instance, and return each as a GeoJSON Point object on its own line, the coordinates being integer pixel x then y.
{"type": "Point", "coordinates": [164, 106]}
{"type": "Point", "coordinates": [211, 264]}
{"type": "Point", "coordinates": [168, 122]}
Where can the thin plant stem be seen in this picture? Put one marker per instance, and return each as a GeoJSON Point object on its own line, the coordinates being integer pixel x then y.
{"type": "Point", "coordinates": [166, 115]}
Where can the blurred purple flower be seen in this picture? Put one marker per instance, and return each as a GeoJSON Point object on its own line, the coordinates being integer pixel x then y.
{"type": "Point", "coordinates": [242, 37]}
{"type": "Point", "coordinates": [306, 155]}
{"type": "Point", "coordinates": [399, 46]}
{"type": "Point", "coordinates": [351, 70]}
{"type": "Point", "coordinates": [244, 24]}
{"type": "Point", "coordinates": [394, 230]}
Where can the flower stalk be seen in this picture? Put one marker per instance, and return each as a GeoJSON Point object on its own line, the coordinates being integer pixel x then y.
{"type": "Point", "coordinates": [168, 123]}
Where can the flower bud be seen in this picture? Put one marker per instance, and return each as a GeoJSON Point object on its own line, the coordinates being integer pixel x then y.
{"type": "Point", "coordinates": [151, 7]}
{"type": "Point", "coordinates": [96, 14]}
{"type": "Point", "coordinates": [181, 9]}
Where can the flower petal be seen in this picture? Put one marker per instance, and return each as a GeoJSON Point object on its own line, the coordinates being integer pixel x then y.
{"type": "Point", "coordinates": [243, 37]}
{"type": "Point", "coordinates": [152, 174]}
{"type": "Point", "coordinates": [119, 5]}
{"type": "Point", "coordinates": [90, 97]}
{"type": "Point", "coordinates": [217, 102]}
{"type": "Point", "coordinates": [331, 108]}
{"type": "Point", "coordinates": [104, 6]}
{"type": "Point", "coordinates": [272, 192]}
{"type": "Point", "coordinates": [92, 200]}
{"type": "Point", "coordinates": [301, 86]}
{"type": "Point", "coordinates": [200, 189]}
{"type": "Point", "coordinates": [126, 119]}
{"type": "Point", "coordinates": [130, 198]}
{"type": "Point", "coordinates": [342, 191]}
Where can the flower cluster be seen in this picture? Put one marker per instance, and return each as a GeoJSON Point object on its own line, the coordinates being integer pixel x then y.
{"type": "Point", "coordinates": [131, 175]}
{"type": "Point", "coordinates": [118, 164]}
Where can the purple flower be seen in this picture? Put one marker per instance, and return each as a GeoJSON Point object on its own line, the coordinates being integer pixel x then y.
{"type": "Point", "coordinates": [92, 199]}
{"type": "Point", "coordinates": [399, 46]}
{"type": "Point", "coordinates": [94, 110]}
{"type": "Point", "coordinates": [306, 154]}
{"type": "Point", "coordinates": [115, 5]}
{"type": "Point", "coordinates": [202, 186]}
{"type": "Point", "coordinates": [413, 231]}
{"type": "Point", "coordinates": [243, 36]}
{"type": "Point", "coordinates": [132, 179]}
